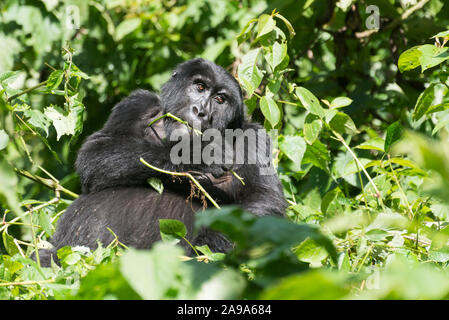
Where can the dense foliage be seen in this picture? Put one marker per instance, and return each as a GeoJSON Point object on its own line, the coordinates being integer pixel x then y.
{"type": "Point", "coordinates": [362, 145]}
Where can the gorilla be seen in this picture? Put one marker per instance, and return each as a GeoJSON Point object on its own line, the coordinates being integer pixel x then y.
{"type": "Point", "coordinates": [116, 194]}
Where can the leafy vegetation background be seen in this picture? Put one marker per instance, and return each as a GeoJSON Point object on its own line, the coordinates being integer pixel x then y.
{"type": "Point", "coordinates": [362, 149]}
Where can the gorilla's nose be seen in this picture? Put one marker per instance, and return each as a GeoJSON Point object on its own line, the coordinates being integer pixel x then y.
{"type": "Point", "coordinates": [200, 112]}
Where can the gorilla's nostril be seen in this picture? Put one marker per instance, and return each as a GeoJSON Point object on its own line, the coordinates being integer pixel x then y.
{"type": "Point", "coordinates": [195, 110]}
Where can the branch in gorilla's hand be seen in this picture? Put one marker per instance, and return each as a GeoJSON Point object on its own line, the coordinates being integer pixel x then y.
{"type": "Point", "coordinates": [185, 174]}
{"type": "Point", "coordinates": [198, 132]}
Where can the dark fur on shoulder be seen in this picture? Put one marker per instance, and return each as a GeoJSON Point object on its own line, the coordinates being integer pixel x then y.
{"type": "Point", "coordinates": [116, 194]}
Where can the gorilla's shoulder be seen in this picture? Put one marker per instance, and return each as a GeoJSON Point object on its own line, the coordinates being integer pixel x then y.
{"type": "Point", "coordinates": [129, 113]}
{"type": "Point", "coordinates": [139, 98]}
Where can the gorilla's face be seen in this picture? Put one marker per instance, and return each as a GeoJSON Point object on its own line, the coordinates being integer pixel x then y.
{"type": "Point", "coordinates": [204, 95]}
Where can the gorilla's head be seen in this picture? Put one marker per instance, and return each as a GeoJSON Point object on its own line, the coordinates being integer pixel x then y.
{"type": "Point", "coordinates": [203, 94]}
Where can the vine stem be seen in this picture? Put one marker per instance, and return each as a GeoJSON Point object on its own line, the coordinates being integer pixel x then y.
{"type": "Point", "coordinates": [25, 283]}
{"type": "Point", "coordinates": [183, 174]}
{"type": "Point", "coordinates": [356, 159]}
{"type": "Point", "coordinates": [43, 83]}
{"type": "Point", "coordinates": [169, 115]}
{"type": "Point", "coordinates": [46, 182]}
{"type": "Point", "coordinates": [404, 196]}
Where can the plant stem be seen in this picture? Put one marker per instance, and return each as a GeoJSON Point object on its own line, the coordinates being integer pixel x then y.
{"type": "Point", "coordinates": [43, 83]}
{"type": "Point", "coordinates": [184, 174]}
{"type": "Point", "coordinates": [356, 159]}
{"type": "Point", "coordinates": [46, 182]}
{"type": "Point", "coordinates": [25, 283]}
{"type": "Point", "coordinates": [198, 132]}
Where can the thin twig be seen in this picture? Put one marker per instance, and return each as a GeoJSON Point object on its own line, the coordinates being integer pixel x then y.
{"type": "Point", "coordinates": [168, 114]}
{"type": "Point", "coordinates": [43, 83]}
{"type": "Point", "coordinates": [47, 182]}
{"type": "Point", "coordinates": [183, 174]}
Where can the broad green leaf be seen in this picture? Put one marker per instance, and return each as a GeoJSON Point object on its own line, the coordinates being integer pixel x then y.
{"type": "Point", "coordinates": [373, 144]}
{"type": "Point", "coordinates": [8, 243]}
{"type": "Point", "coordinates": [442, 34]}
{"type": "Point", "coordinates": [8, 187]}
{"type": "Point", "coordinates": [8, 75]}
{"type": "Point", "coordinates": [311, 285]}
{"type": "Point", "coordinates": [156, 184]}
{"type": "Point", "coordinates": [287, 24]}
{"type": "Point", "coordinates": [45, 223]}
{"type": "Point", "coordinates": [424, 102]}
{"type": "Point", "coordinates": [55, 79]}
{"type": "Point", "coordinates": [293, 147]}
{"type": "Point", "coordinates": [64, 123]}
{"type": "Point", "coordinates": [311, 252]}
{"type": "Point", "coordinates": [409, 59]}
{"type": "Point", "coordinates": [245, 34]}
{"type": "Point", "coordinates": [265, 25]}
{"type": "Point", "coordinates": [340, 102]}
{"type": "Point", "coordinates": [394, 133]}
{"type": "Point", "coordinates": [310, 102]}
{"type": "Point", "coordinates": [432, 56]}
{"type": "Point", "coordinates": [342, 123]}
{"type": "Point", "coordinates": [37, 119]}
{"type": "Point", "coordinates": [156, 274]}
{"type": "Point", "coordinates": [249, 74]}
{"type": "Point", "coordinates": [318, 155]}
{"type": "Point", "coordinates": [126, 27]}
{"type": "Point", "coordinates": [4, 139]}
{"type": "Point", "coordinates": [276, 55]}
{"type": "Point", "coordinates": [170, 228]}
{"type": "Point", "coordinates": [270, 110]}
{"type": "Point", "coordinates": [312, 128]}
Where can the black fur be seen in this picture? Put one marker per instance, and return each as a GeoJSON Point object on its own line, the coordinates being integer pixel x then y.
{"type": "Point", "coordinates": [116, 194]}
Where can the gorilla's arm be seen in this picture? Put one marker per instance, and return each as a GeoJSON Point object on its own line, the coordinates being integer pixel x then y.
{"type": "Point", "coordinates": [110, 157]}
{"type": "Point", "coordinates": [262, 193]}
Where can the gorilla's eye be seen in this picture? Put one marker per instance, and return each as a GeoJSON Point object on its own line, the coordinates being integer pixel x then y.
{"type": "Point", "coordinates": [219, 99]}
{"type": "Point", "coordinates": [200, 86]}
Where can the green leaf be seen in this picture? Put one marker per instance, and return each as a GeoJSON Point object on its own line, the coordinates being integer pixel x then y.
{"type": "Point", "coordinates": [373, 144]}
{"type": "Point", "coordinates": [312, 128]}
{"type": "Point", "coordinates": [442, 34]}
{"type": "Point", "coordinates": [394, 133]}
{"type": "Point", "coordinates": [55, 79]}
{"type": "Point", "coordinates": [340, 102]}
{"type": "Point", "coordinates": [126, 27]}
{"type": "Point", "coordinates": [276, 55]}
{"type": "Point", "coordinates": [64, 123]}
{"type": "Point", "coordinates": [424, 102]}
{"type": "Point", "coordinates": [156, 184]}
{"type": "Point", "coordinates": [156, 274]}
{"type": "Point", "coordinates": [293, 147]}
{"type": "Point", "coordinates": [4, 139]}
{"type": "Point", "coordinates": [318, 155]}
{"type": "Point", "coordinates": [270, 110]}
{"type": "Point", "coordinates": [409, 59]}
{"type": "Point", "coordinates": [310, 251]}
{"type": "Point", "coordinates": [432, 56]}
{"type": "Point", "coordinates": [342, 123]}
{"type": "Point", "coordinates": [249, 74]}
{"type": "Point", "coordinates": [45, 223]}
{"type": "Point", "coordinates": [287, 24]}
{"type": "Point", "coordinates": [171, 229]}
{"type": "Point", "coordinates": [310, 102]}
{"type": "Point", "coordinates": [311, 285]}
{"type": "Point", "coordinates": [8, 187]}
{"type": "Point", "coordinates": [265, 25]}
{"type": "Point", "coordinates": [37, 119]}
{"type": "Point", "coordinates": [8, 243]}
{"type": "Point", "coordinates": [245, 34]}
